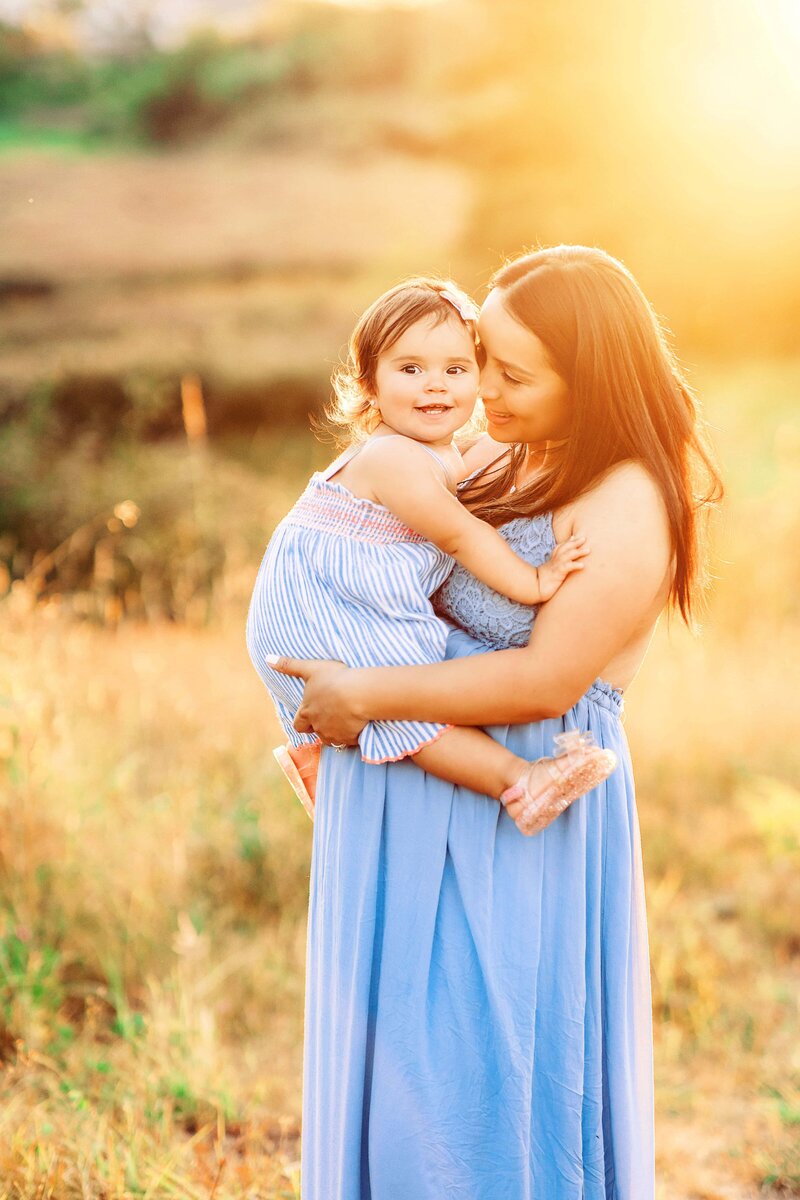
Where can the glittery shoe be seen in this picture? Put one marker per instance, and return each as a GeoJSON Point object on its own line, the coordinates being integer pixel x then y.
{"type": "Point", "coordinates": [549, 785]}
{"type": "Point", "coordinates": [300, 765]}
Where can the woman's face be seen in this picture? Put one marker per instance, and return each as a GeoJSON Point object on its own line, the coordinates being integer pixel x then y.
{"type": "Point", "coordinates": [524, 398]}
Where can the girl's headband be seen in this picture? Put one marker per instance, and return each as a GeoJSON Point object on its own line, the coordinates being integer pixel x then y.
{"type": "Point", "coordinates": [466, 308]}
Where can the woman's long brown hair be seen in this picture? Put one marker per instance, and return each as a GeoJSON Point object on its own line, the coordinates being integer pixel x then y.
{"type": "Point", "coordinates": [629, 398]}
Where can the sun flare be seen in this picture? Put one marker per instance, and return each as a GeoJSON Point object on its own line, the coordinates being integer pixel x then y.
{"type": "Point", "coordinates": [782, 18]}
{"type": "Point", "coordinates": [743, 82]}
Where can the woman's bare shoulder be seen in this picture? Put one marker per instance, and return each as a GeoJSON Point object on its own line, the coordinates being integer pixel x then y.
{"type": "Point", "coordinates": [626, 483]}
{"type": "Point", "coordinates": [627, 503]}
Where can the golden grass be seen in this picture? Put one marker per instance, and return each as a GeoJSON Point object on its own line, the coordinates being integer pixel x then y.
{"type": "Point", "coordinates": [154, 882]}
{"type": "Point", "coordinates": [154, 873]}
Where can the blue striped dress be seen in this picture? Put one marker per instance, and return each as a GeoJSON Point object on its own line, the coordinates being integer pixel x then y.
{"type": "Point", "coordinates": [343, 578]}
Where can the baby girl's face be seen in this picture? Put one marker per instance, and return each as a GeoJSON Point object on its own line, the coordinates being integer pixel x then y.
{"type": "Point", "coordinates": [427, 383]}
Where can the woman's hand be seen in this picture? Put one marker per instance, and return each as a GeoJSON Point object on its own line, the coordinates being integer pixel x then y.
{"type": "Point", "coordinates": [327, 708]}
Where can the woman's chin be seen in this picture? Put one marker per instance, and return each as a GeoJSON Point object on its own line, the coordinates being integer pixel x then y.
{"type": "Point", "coordinates": [500, 432]}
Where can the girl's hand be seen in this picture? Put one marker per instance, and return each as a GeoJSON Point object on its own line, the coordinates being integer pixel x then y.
{"type": "Point", "coordinates": [567, 557]}
{"type": "Point", "coordinates": [327, 708]}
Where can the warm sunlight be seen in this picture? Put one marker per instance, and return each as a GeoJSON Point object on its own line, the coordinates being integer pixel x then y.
{"type": "Point", "coordinates": [730, 80]}
{"type": "Point", "coordinates": [782, 19]}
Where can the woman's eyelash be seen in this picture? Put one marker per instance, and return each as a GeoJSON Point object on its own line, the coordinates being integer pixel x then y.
{"type": "Point", "coordinates": [510, 378]}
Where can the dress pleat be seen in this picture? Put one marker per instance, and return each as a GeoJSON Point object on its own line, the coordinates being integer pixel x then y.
{"type": "Point", "coordinates": [478, 1004]}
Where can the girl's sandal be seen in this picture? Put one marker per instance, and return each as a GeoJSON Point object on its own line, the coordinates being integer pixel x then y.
{"type": "Point", "coordinates": [300, 765]}
{"type": "Point", "coordinates": [578, 766]}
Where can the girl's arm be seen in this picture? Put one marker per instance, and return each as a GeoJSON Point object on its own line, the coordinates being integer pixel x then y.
{"type": "Point", "coordinates": [591, 619]}
{"type": "Point", "coordinates": [407, 481]}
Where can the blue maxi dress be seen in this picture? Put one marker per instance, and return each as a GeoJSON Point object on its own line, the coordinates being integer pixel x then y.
{"type": "Point", "coordinates": [478, 1022]}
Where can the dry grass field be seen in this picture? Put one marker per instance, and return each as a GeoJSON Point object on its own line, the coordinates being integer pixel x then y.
{"type": "Point", "coordinates": [154, 873]}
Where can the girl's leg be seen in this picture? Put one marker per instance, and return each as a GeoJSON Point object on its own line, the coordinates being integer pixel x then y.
{"type": "Point", "coordinates": [472, 759]}
{"type": "Point", "coordinates": [534, 793]}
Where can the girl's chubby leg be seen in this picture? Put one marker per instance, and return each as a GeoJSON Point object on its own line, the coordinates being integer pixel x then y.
{"type": "Point", "coordinates": [533, 794]}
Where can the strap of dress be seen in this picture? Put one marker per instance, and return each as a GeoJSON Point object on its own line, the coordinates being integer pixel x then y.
{"type": "Point", "coordinates": [344, 458]}
{"type": "Point", "coordinates": [448, 474]}
{"type": "Point", "coordinates": [349, 454]}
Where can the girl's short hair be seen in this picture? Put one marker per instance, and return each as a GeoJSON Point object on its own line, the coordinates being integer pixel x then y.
{"type": "Point", "coordinates": [377, 330]}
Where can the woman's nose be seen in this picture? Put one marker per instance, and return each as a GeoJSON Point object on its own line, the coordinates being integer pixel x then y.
{"type": "Point", "coordinates": [489, 388]}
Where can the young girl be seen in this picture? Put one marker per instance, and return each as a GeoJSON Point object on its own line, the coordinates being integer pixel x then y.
{"type": "Point", "coordinates": [348, 573]}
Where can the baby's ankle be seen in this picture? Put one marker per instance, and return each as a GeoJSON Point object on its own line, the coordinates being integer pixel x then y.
{"type": "Point", "coordinates": [512, 773]}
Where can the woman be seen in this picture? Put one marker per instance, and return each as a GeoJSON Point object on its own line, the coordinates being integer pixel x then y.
{"type": "Point", "coordinates": [478, 1005]}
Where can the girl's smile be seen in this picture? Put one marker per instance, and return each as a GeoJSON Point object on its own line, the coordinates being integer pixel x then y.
{"type": "Point", "coordinates": [426, 383]}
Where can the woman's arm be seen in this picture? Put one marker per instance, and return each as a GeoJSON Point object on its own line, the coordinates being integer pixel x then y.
{"type": "Point", "coordinates": [589, 621]}
{"type": "Point", "coordinates": [406, 480]}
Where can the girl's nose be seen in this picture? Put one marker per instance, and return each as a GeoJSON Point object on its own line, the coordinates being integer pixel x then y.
{"type": "Point", "coordinates": [435, 383]}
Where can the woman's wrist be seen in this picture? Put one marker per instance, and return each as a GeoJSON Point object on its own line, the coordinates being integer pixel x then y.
{"type": "Point", "coordinates": [359, 694]}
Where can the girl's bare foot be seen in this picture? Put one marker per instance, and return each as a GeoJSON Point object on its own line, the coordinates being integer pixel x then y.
{"type": "Point", "coordinates": [549, 785]}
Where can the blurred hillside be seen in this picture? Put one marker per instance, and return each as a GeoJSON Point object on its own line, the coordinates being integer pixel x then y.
{"type": "Point", "coordinates": [241, 188]}
{"type": "Point", "coordinates": [248, 197]}
{"type": "Point", "coordinates": [220, 208]}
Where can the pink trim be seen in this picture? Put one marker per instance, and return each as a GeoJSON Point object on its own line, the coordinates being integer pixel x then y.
{"type": "Point", "coordinates": [330, 508]}
{"type": "Point", "coordinates": [377, 762]}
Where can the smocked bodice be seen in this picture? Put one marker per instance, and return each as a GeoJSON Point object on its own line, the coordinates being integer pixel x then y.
{"type": "Point", "coordinates": [478, 609]}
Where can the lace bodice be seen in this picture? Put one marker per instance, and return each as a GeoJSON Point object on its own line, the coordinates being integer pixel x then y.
{"type": "Point", "coordinates": [485, 614]}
